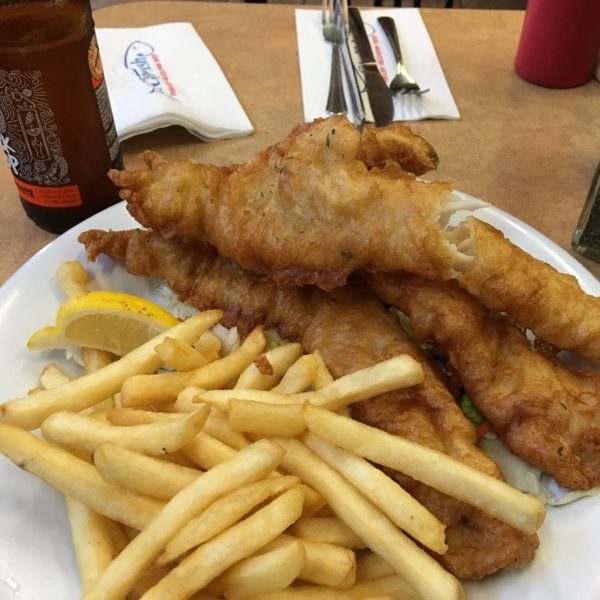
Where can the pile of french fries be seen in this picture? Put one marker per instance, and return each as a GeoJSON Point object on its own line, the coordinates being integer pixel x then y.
{"type": "Point", "coordinates": [192, 474]}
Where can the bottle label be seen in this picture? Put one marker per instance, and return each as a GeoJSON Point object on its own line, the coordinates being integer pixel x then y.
{"type": "Point", "coordinates": [29, 138]}
{"type": "Point", "coordinates": [101, 91]}
{"type": "Point", "coordinates": [53, 197]}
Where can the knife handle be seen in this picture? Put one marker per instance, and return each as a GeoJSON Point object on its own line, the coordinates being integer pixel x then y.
{"type": "Point", "coordinates": [353, 91]}
{"type": "Point", "coordinates": [361, 38]}
{"type": "Point", "coordinates": [389, 28]}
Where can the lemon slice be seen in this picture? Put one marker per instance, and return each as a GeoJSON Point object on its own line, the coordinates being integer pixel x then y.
{"type": "Point", "coordinates": [110, 321]}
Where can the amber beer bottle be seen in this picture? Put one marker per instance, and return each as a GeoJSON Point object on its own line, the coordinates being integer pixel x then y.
{"type": "Point", "coordinates": [56, 124]}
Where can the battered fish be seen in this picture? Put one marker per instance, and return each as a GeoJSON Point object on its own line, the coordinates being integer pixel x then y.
{"type": "Point", "coordinates": [327, 182]}
{"type": "Point", "coordinates": [506, 279]}
{"type": "Point", "coordinates": [543, 410]}
{"type": "Point", "coordinates": [353, 330]}
{"type": "Point", "coordinates": [330, 199]}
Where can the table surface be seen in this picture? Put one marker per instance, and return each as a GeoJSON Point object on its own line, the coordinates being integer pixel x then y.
{"type": "Point", "coordinates": [528, 150]}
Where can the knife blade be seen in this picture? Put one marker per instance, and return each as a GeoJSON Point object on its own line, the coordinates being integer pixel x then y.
{"type": "Point", "coordinates": [380, 96]}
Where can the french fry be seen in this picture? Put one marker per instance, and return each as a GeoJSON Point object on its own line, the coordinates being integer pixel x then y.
{"type": "Point", "coordinates": [35, 390]}
{"type": "Point", "coordinates": [178, 458]}
{"type": "Point", "coordinates": [93, 415]}
{"type": "Point", "coordinates": [250, 464]}
{"type": "Point", "coordinates": [328, 564]}
{"type": "Point", "coordinates": [136, 416]}
{"type": "Point", "coordinates": [216, 425]}
{"type": "Point", "coordinates": [313, 501]}
{"type": "Point", "coordinates": [180, 356]}
{"type": "Point", "coordinates": [144, 474]}
{"type": "Point", "coordinates": [207, 451]}
{"type": "Point", "coordinates": [209, 345]}
{"type": "Point", "coordinates": [394, 373]}
{"type": "Point", "coordinates": [72, 278]}
{"type": "Point", "coordinates": [267, 369]}
{"type": "Point", "coordinates": [298, 377]}
{"type": "Point", "coordinates": [28, 412]}
{"type": "Point", "coordinates": [185, 399]}
{"type": "Point", "coordinates": [78, 431]}
{"type": "Point", "coordinates": [371, 566]}
{"type": "Point", "coordinates": [149, 579]}
{"type": "Point", "coordinates": [392, 585]}
{"type": "Point", "coordinates": [93, 359]}
{"type": "Point", "coordinates": [203, 596]}
{"type": "Point", "coordinates": [324, 511]}
{"type": "Point", "coordinates": [96, 540]}
{"type": "Point", "coordinates": [435, 469]}
{"type": "Point", "coordinates": [236, 543]}
{"type": "Point", "coordinates": [275, 568]}
{"type": "Point", "coordinates": [52, 376]}
{"type": "Point", "coordinates": [399, 506]}
{"type": "Point", "coordinates": [329, 530]}
{"type": "Point", "coordinates": [154, 574]}
{"type": "Point", "coordinates": [322, 376]}
{"type": "Point", "coordinates": [219, 398]}
{"type": "Point", "coordinates": [76, 478]}
{"type": "Point", "coordinates": [139, 390]}
{"type": "Point", "coordinates": [398, 372]}
{"type": "Point", "coordinates": [408, 560]}
{"type": "Point", "coordinates": [224, 513]}
{"type": "Point", "coordinates": [214, 588]}
{"type": "Point", "coordinates": [266, 419]}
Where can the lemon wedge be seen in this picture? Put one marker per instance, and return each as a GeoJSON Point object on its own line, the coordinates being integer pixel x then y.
{"type": "Point", "coordinates": [110, 321]}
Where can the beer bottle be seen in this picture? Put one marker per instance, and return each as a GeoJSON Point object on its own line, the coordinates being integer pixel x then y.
{"type": "Point", "coordinates": [56, 124]}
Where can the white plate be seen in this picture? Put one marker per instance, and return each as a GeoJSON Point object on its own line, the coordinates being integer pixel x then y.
{"type": "Point", "coordinates": [36, 557]}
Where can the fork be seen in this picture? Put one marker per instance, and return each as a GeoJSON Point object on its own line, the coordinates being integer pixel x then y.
{"type": "Point", "coordinates": [403, 82]}
{"type": "Point", "coordinates": [333, 32]}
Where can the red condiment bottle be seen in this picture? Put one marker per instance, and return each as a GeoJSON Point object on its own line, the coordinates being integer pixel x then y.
{"type": "Point", "coordinates": [559, 42]}
{"type": "Point", "coordinates": [56, 124]}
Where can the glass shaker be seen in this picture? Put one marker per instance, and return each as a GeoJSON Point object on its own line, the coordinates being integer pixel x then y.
{"type": "Point", "coordinates": [586, 239]}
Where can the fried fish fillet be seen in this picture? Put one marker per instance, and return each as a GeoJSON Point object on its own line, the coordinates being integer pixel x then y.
{"type": "Point", "coordinates": [327, 182]}
{"type": "Point", "coordinates": [506, 279]}
{"type": "Point", "coordinates": [329, 200]}
{"type": "Point", "coordinates": [543, 410]}
{"type": "Point", "coordinates": [353, 330]}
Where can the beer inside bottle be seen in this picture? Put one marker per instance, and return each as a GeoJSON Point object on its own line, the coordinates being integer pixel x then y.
{"type": "Point", "coordinates": [56, 123]}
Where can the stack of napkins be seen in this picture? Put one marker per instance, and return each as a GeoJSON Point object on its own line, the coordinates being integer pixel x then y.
{"type": "Point", "coordinates": [418, 53]}
{"type": "Point", "coordinates": [165, 75]}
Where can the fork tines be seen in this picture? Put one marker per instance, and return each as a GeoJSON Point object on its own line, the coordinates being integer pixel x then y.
{"type": "Point", "coordinates": [403, 82]}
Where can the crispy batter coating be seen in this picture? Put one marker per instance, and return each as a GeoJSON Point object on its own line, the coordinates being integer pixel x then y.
{"type": "Point", "coordinates": [353, 330]}
{"type": "Point", "coordinates": [330, 199]}
{"type": "Point", "coordinates": [543, 410]}
{"type": "Point", "coordinates": [507, 279]}
{"type": "Point", "coordinates": [182, 188]}
{"type": "Point", "coordinates": [205, 280]}
{"type": "Point", "coordinates": [327, 182]}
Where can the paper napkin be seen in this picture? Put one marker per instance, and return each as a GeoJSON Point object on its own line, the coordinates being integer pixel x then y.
{"type": "Point", "coordinates": [418, 53]}
{"type": "Point", "coordinates": [165, 75]}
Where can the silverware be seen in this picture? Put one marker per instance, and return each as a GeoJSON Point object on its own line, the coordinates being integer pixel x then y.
{"type": "Point", "coordinates": [333, 32]}
{"type": "Point", "coordinates": [380, 96]}
{"type": "Point", "coordinates": [352, 86]}
{"type": "Point", "coordinates": [403, 82]}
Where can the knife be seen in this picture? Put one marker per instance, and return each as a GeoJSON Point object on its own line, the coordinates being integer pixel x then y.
{"type": "Point", "coordinates": [380, 96]}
